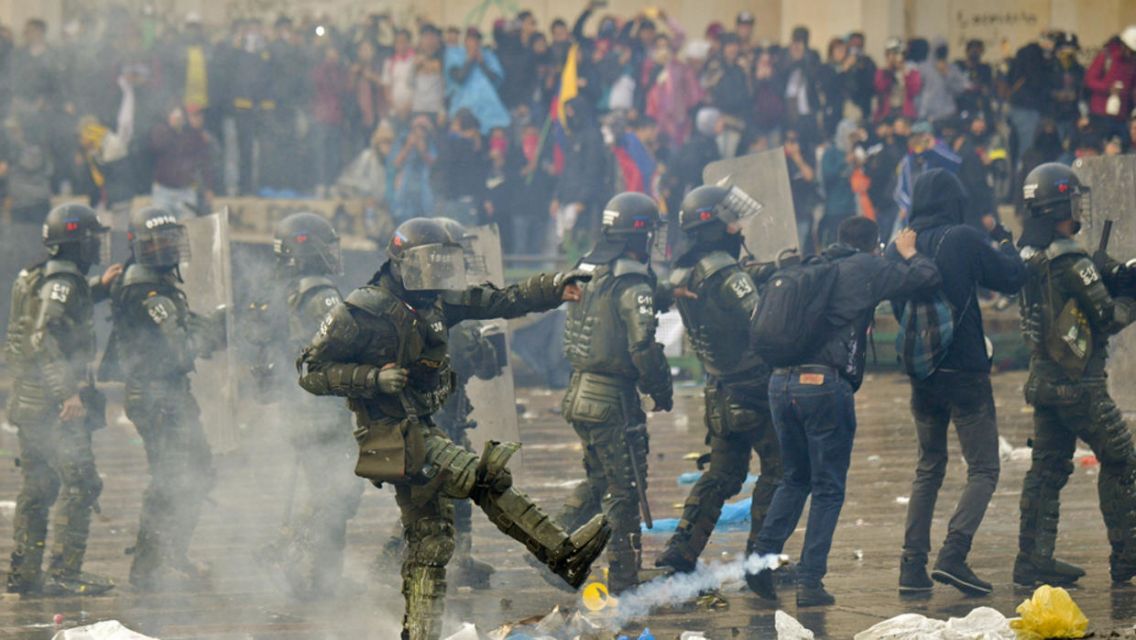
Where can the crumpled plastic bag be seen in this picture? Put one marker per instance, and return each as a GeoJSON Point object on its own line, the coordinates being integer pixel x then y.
{"type": "Point", "coordinates": [789, 629]}
{"type": "Point", "coordinates": [982, 623]}
{"type": "Point", "coordinates": [105, 630]}
{"type": "Point", "coordinates": [1049, 613]}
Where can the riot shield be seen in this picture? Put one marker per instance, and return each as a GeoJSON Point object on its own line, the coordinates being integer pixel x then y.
{"type": "Point", "coordinates": [208, 284]}
{"type": "Point", "coordinates": [765, 177]}
{"type": "Point", "coordinates": [494, 401]}
{"type": "Point", "coordinates": [1113, 197]}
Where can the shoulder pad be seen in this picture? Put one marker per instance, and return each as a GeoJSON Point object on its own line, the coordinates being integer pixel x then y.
{"type": "Point", "coordinates": [1064, 247]}
{"type": "Point", "coordinates": [1085, 270]}
{"type": "Point", "coordinates": [338, 327]}
{"type": "Point", "coordinates": [59, 288]}
{"type": "Point", "coordinates": [141, 274]}
{"type": "Point", "coordinates": [59, 267]}
{"type": "Point", "coordinates": [679, 276]}
{"type": "Point", "coordinates": [160, 309]}
{"type": "Point", "coordinates": [712, 263]}
{"type": "Point", "coordinates": [587, 267]}
{"type": "Point", "coordinates": [624, 266]}
{"type": "Point", "coordinates": [376, 301]}
{"type": "Point", "coordinates": [311, 283]}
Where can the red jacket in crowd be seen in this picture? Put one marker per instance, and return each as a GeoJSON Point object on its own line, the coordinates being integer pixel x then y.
{"type": "Point", "coordinates": [1115, 63]}
{"type": "Point", "coordinates": [913, 84]}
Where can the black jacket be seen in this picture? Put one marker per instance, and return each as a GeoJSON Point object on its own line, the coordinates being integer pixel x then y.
{"type": "Point", "coordinates": [584, 178]}
{"type": "Point", "coordinates": [966, 261]}
{"type": "Point", "coordinates": [863, 280]}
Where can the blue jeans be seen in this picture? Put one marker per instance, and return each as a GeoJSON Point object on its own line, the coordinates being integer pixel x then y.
{"type": "Point", "coordinates": [1025, 122]}
{"type": "Point", "coordinates": [815, 417]}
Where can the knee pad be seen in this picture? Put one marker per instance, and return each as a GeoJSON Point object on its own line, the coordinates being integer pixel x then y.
{"type": "Point", "coordinates": [493, 469]}
{"type": "Point", "coordinates": [430, 542]}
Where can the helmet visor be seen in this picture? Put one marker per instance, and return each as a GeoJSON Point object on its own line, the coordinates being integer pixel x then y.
{"type": "Point", "coordinates": [737, 206]}
{"type": "Point", "coordinates": [433, 267]}
{"type": "Point", "coordinates": [162, 247]}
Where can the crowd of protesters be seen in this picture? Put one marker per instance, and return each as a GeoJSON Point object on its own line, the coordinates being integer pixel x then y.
{"type": "Point", "coordinates": [535, 128]}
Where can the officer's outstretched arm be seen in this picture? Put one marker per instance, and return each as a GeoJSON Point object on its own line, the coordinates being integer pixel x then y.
{"type": "Point", "coordinates": [52, 325]}
{"type": "Point", "coordinates": [1105, 313]}
{"type": "Point", "coordinates": [325, 366]}
{"type": "Point", "coordinates": [637, 311]}
{"type": "Point", "coordinates": [541, 292]}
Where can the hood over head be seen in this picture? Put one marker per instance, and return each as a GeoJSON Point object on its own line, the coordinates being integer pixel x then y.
{"type": "Point", "coordinates": [938, 198]}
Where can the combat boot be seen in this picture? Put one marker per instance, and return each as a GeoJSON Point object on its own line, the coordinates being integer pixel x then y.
{"type": "Point", "coordinates": [1031, 572]}
{"type": "Point", "coordinates": [573, 561]}
{"type": "Point", "coordinates": [813, 595]}
{"type": "Point", "coordinates": [1122, 566]}
{"type": "Point", "coordinates": [913, 579]}
{"type": "Point", "coordinates": [761, 582]}
{"type": "Point", "coordinates": [25, 577]}
{"type": "Point", "coordinates": [676, 559]}
{"type": "Point", "coordinates": [78, 583]}
{"type": "Point", "coordinates": [951, 568]}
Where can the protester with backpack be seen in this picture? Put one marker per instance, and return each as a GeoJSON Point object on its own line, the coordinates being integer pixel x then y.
{"type": "Point", "coordinates": [943, 349]}
{"type": "Point", "coordinates": [810, 393]}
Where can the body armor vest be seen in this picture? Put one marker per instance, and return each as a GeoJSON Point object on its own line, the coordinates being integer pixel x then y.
{"type": "Point", "coordinates": [594, 339]}
{"type": "Point", "coordinates": [717, 335]}
{"type": "Point", "coordinates": [419, 346]}
{"type": "Point", "coordinates": [76, 341]}
{"type": "Point", "coordinates": [302, 324]}
{"type": "Point", "coordinates": [139, 351]}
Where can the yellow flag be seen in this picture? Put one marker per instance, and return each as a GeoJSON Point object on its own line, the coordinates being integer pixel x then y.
{"type": "Point", "coordinates": [568, 84]}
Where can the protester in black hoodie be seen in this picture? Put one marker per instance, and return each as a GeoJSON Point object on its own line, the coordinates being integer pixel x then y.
{"type": "Point", "coordinates": [583, 182]}
{"type": "Point", "coordinates": [959, 389]}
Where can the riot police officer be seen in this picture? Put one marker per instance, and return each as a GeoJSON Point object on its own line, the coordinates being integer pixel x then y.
{"type": "Point", "coordinates": [385, 349]}
{"type": "Point", "coordinates": [609, 339]}
{"type": "Point", "coordinates": [153, 345]}
{"type": "Point", "coordinates": [1068, 313]}
{"type": "Point", "coordinates": [310, 551]}
{"type": "Point", "coordinates": [50, 346]}
{"type": "Point", "coordinates": [736, 395]}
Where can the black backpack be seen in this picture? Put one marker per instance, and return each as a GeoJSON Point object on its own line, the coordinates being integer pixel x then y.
{"type": "Point", "coordinates": [791, 321]}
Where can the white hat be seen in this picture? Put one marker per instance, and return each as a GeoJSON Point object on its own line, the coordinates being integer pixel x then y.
{"type": "Point", "coordinates": [1128, 37]}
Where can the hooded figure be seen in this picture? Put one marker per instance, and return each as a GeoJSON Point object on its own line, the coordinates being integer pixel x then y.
{"type": "Point", "coordinates": [584, 179]}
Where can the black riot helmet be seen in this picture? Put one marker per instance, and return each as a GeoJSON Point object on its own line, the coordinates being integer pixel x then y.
{"type": "Point", "coordinates": [424, 257]}
{"type": "Point", "coordinates": [306, 243]}
{"type": "Point", "coordinates": [73, 232]}
{"type": "Point", "coordinates": [1051, 193]}
{"type": "Point", "coordinates": [710, 218]}
{"type": "Point", "coordinates": [157, 238]}
{"type": "Point", "coordinates": [630, 221]}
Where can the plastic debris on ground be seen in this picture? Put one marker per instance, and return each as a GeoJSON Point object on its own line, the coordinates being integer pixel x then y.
{"type": "Point", "coordinates": [690, 477]}
{"type": "Point", "coordinates": [467, 632]}
{"type": "Point", "coordinates": [789, 629]}
{"type": "Point", "coordinates": [902, 499]}
{"type": "Point", "coordinates": [1009, 453]}
{"type": "Point", "coordinates": [557, 625]}
{"type": "Point", "coordinates": [7, 507]}
{"type": "Point", "coordinates": [735, 517]}
{"type": "Point", "coordinates": [1050, 613]}
{"type": "Point", "coordinates": [105, 630]}
{"type": "Point", "coordinates": [982, 623]}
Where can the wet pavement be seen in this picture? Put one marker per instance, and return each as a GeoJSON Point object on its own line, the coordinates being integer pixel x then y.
{"type": "Point", "coordinates": [246, 509]}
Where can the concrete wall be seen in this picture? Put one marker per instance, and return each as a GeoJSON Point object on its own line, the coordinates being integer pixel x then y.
{"type": "Point", "coordinates": [1011, 22]}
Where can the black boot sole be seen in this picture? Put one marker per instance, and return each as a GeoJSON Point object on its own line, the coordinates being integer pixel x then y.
{"type": "Point", "coordinates": [938, 575]}
{"type": "Point", "coordinates": [916, 592]}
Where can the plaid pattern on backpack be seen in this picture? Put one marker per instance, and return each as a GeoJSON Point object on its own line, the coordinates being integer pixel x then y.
{"type": "Point", "coordinates": [926, 331]}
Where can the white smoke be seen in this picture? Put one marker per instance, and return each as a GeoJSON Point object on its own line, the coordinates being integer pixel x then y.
{"type": "Point", "coordinates": [683, 587]}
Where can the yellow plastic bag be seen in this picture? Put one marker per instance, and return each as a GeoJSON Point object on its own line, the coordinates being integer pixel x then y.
{"type": "Point", "coordinates": [1049, 613]}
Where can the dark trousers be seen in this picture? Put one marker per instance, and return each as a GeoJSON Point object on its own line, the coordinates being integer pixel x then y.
{"type": "Point", "coordinates": [814, 414]}
{"type": "Point", "coordinates": [966, 399]}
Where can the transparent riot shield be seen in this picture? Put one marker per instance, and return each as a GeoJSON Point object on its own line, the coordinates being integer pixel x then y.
{"type": "Point", "coordinates": [208, 285]}
{"type": "Point", "coordinates": [494, 401]}
{"type": "Point", "coordinates": [1113, 197]}
{"type": "Point", "coordinates": [765, 177]}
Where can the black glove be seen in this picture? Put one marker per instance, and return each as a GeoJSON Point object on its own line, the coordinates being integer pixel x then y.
{"type": "Point", "coordinates": [1000, 234]}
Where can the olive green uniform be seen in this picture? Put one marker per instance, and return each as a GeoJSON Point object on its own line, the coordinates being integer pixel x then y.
{"type": "Point", "coordinates": [376, 327]}
{"type": "Point", "coordinates": [320, 432]}
{"type": "Point", "coordinates": [154, 343]}
{"type": "Point", "coordinates": [1066, 302]}
{"type": "Point", "coordinates": [609, 339]}
{"type": "Point", "coordinates": [738, 420]}
{"type": "Point", "coordinates": [50, 346]}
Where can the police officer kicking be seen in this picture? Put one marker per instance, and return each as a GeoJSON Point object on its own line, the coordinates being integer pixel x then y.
{"type": "Point", "coordinates": [1070, 307]}
{"type": "Point", "coordinates": [609, 338]}
{"type": "Point", "coordinates": [716, 312]}
{"type": "Point", "coordinates": [50, 347]}
{"type": "Point", "coordinates": [385, 349]}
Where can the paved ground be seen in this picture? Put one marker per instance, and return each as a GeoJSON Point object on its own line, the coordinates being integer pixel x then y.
{"type": "Point", "coordinates": [247, 508]}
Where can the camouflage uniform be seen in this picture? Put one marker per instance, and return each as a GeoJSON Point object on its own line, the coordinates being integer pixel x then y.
{"type": "Point", "coordinates": [320, 432]}
{"type": "Point", "coordinates": [376, 326]}
{"type": "Point", "coordinates": [153, 346]}
{"type": "Point", "coordinates": [1070, 399]}
{"type": "Point", "coordinates": [50, 345]}
{"type": "Point", "coordinates": [609, 338]}
{"type": "Point", "coordinates": [736, 396]}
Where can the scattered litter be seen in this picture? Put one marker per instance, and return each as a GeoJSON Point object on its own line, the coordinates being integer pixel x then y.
{"type": "Point", "coordinates": [789, 629]}
{"type": "Point", "coordinates": [467, 632]}
{"type": "Point", "coordinates": [692, 635]}
{"type": "Point", "coordinates": [902, 499]}
{"type": "Point", "coordinates": [858, 554]}
{"type": "Point", "coordinates": [873, 459]}
{"type": "Point", "coordinates": [712, 602]}
{"type": "Point", "coordinates": [859, 522]}
{"type": "Point", "coordinates": [681, 421]}
{"type": "Point", "coordinates": [735, 516]}
{"type": "Point", "coordinates": [982, 623]}
{"type": "Point", "coordinates": [7, 507]}
{"type": "Point", "coordinates": [105, 630]}
{"type": "Point", "coordinates": [563, 484]}
{"type": "Point", "coordinates": [1049, 613]}
{"type": "Point", "coordinates": [1008, 452]}
{"type": "Point", "coordinates": [57, 619]}
{"type": "Point", "coordinates": [1089, 461]}
{"type": "Point", "coordinates": [530, 415]}
{"type": "Point", "coordinates": [690, 477]}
